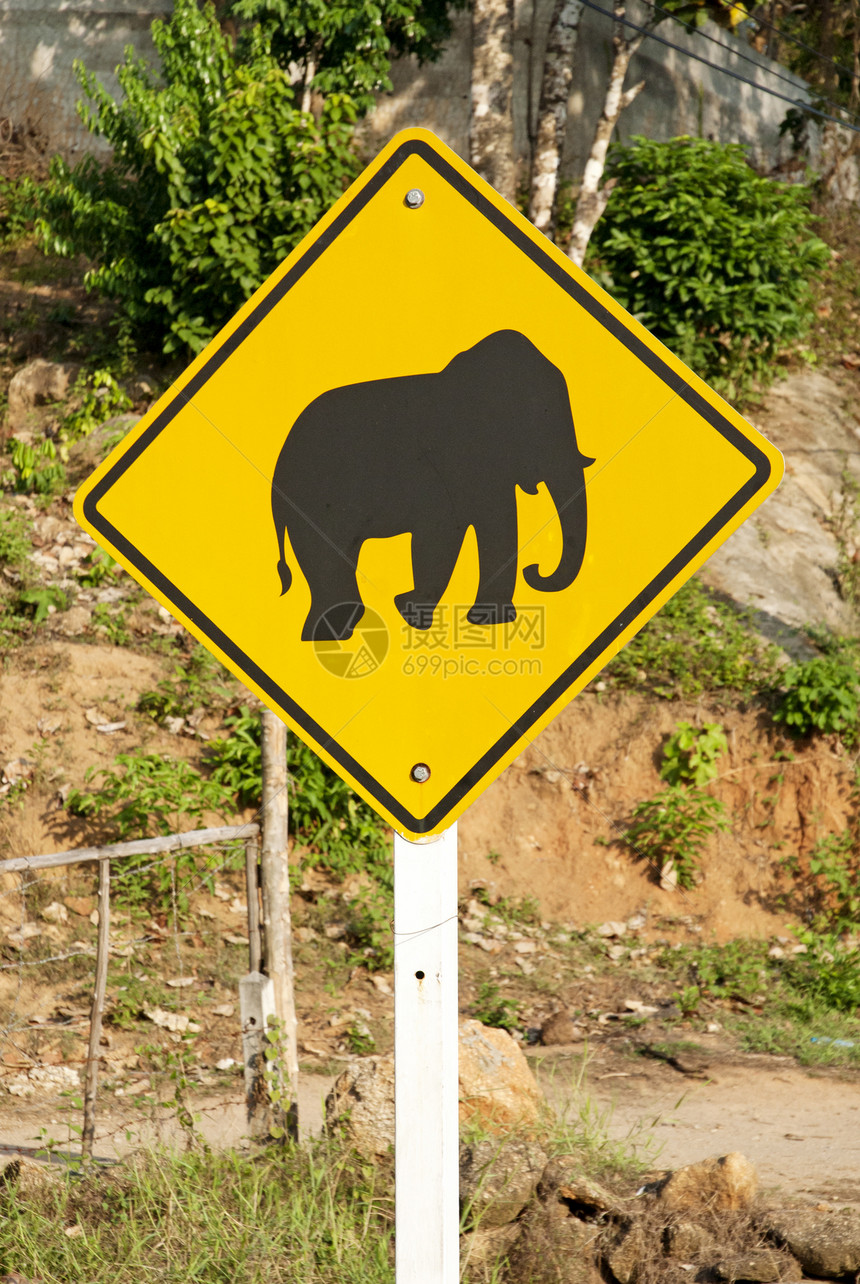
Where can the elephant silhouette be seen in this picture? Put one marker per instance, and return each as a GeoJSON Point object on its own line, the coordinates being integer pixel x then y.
{"type": "Point", "coordinates": [430, 455]}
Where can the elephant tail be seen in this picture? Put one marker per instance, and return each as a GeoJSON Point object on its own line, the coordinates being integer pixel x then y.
{"type": "Point", "coordinates": [283, 569]}
{"type": "Point", "coordinates": [285, 574]}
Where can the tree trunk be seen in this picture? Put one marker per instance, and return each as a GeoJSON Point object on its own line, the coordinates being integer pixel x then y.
{"type": "Point", "coordinates": [492, 132]}
{"type": "Point", "coordinates": [552, 113]}
{"type": "Point", "coordinates": [827, 46]}
{"type": "Point", "coordinates": [772, 49]}
{"type": "Point", "coordinates": [854, 100]}
{"type": "Point", "coordinates": [591, 201]}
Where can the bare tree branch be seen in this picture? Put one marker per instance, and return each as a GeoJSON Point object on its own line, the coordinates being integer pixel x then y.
{"type": "Point", "coordinates": [591, 201]}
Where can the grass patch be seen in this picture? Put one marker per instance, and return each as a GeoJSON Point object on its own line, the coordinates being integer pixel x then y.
{"type": "Point", "coordinates": [582, 1131]}
{"type": "Point", "coordinates": [807, 1030]}
{"type": "Point", "coordinates": [318, 1214]}
{"type": "Point", "coordinates": [695, 644]}
{"type": "Point", "coordinates": [795, 1005]}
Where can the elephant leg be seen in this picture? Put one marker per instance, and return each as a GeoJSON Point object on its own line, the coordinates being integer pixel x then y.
{"type": "Point", "coordinates": [336, 605]}
{"type": "Point", "coordinates": [434, 556]}
{"type": "Point", "coordinates": [497, 553]}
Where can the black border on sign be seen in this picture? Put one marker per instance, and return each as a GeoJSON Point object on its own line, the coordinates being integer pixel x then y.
{"type": "Point", "coordinates": [760, 462]}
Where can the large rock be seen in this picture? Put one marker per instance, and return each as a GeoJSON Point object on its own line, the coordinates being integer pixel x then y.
{"type": "Point", "coordinates": [498, 1178]}
{"type": "Point", "coordinates": [361, 1103]}
{"type": "Point", "coordinates": [88, 453]}
{"type": "Point", "coordinates": [497, 1088]}
{"type": "Point", "coordinates": [624, 1252]}
{"type": "Point", "coordinates": [497, 1091]}
{"type": "Point", "coordinates": [688, 1241]}
{"type": "Point", "coordinates": [553, 1247]}
{"type": "Point", "coordinates": [28, 1177]}
{"type": "Point", "coordinates": [827, 1244]}
{"type": "Point", "coordinates": [483, 1249]}
{"type": "Point", "coordinates": [727, 1183]}
{"type": "Point", "coordinates": [759, 1266]}
{"type": "Point", "coordinates": [38, 384]}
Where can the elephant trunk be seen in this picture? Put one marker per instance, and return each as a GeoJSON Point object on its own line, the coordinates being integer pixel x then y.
{"type": "Point", "coordinates": [569, 500]}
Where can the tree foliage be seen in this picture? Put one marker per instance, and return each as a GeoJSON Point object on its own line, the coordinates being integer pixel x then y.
{"type": "Point", "coordinates": [712, 258]}
{"type": "Point", "coordinates": [346, 46]}
{"type": "Point", "coordinates": [218, 169]}
{"type": "Point", "coordinates": [215, 175]}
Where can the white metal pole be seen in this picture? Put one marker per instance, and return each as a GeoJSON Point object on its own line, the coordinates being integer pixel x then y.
{"type": "Point", "coordinates": [426, 1165]}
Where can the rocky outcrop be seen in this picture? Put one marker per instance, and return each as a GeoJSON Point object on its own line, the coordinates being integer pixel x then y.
{"type": "Point", "coordinates": [27, 1177]}
{"type": "Point", "coordinates": [554, 1248]}
{"type": "Point", "coordinates": [701, 1219]}
{"type": "Point", "coordinates": [784, 563]}
{"type": "Point", "coordinates": [498, 1178]}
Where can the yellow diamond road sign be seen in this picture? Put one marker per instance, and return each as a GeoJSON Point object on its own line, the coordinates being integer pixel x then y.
{"type": "Point", "coordinates": [424, 485]}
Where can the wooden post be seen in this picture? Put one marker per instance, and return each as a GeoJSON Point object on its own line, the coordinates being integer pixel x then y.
{"type": "Point", "coordinates": [252, 890]}
{"type": "Point", "coordinates": [102, 951]}
{"type": "Point", "coordinates": [275, 878]}
{"type": "Point", "coordinates": [426, 1167]}
{"type": "Point", "coordinates": [256, 1005]}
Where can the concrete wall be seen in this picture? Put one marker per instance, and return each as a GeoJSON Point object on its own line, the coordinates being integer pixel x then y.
{"type": "Point", "coordinates": [39, 40]}
{"type": "Point", "coordinates": [681, 96]}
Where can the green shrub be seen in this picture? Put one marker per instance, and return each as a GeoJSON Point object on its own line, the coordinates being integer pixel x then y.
{"type": "Point", "coordinates": [821, 695]}
{"type": "Point", "coordinates": [18, 204]}
{"type": "Point", "coordinates": [152, 793]}
{"type": "Point", "coordinates": [216, 175]}
{"type": "Point", "coordinates": [690, 756]}
{"type": "Point", "coordinates": [98, 397]}
{"type": "Point", "coordinates": [828, 973]}
{"type": "Point", "coordinates": [38, 601]}
{"type": "Point", "coordinates": [490, 1008]}
{"type": "Point", "coordinates": [195, 684]}
{"type": "Point", "coordinates": [370, 923]}
{"type": "Point", "coordinates": [737, 969]}
{"type": "Point", "coordinates": [316, 1213]}
{"type": "Point", "coordinates": [712, 258]}
{"type": "Point", "coordinates": [36, 467]}
{"type": "Point", "coordinates": [826, 892]}
{"type": "Point", "coordinates": [670, 829]}
{"type": "Point", "coordinates": [14, 543]}
{"type": "Point", "coordinates": [40, 466]}
{"type": "Point", "coordinates": [149, 794]}
{"type": "Point", "coordinates": [236, 758]}
{"type": "Point", "coordinates": [342, 833]}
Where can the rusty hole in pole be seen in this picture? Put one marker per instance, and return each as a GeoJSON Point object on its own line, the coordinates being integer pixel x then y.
{"type": "Point", "coordinates": [419, 976]}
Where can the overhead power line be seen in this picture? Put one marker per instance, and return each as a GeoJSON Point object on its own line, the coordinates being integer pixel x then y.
{"type": "Point", "coordinates": [786, 35]}
{"type": "Point", "coordinates": [726, 71]}
{"type": "Point", "coordinates": [737, 53]}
